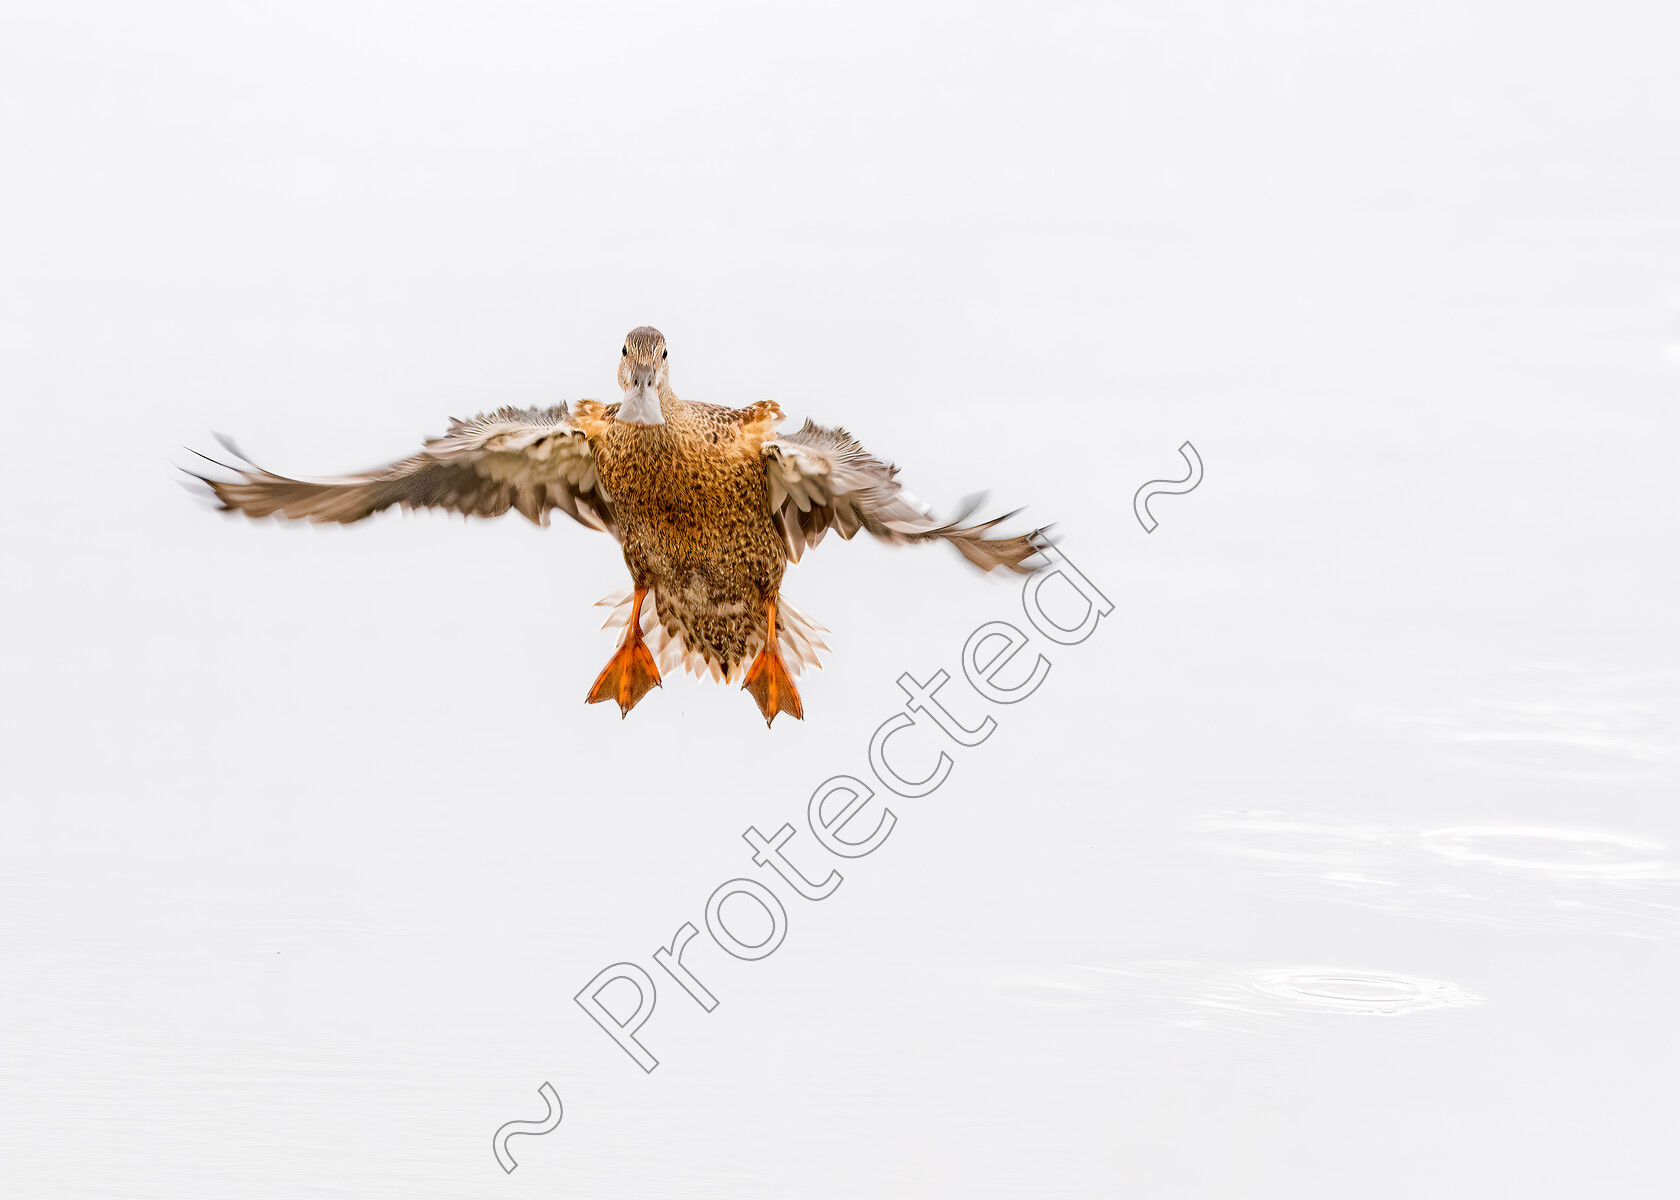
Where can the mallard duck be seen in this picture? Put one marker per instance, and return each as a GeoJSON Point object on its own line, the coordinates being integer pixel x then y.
{"type": "Point", "coordinates": [710, 505]}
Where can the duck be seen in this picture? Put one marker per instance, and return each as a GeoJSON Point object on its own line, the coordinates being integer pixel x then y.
{"type": "Point", "coordinates": [709, 505]}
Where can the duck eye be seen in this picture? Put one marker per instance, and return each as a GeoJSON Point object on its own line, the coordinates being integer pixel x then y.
{"type": "Point", "coordinates": [664, 354]}
{"type": "Point", "coordinates": [623, 351]}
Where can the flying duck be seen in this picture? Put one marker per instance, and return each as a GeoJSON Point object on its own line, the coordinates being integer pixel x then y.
{"type": "Point", "coordinates": [710, 504]}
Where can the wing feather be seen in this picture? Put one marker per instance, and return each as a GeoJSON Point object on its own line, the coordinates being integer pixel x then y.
{"type": "Point", "coordinates": [822, 479]}
{"type": "Point", "coordinates": [531, 460]}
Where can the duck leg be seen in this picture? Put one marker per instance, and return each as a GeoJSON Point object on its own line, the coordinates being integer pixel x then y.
{"type": "Point", "coordinates": [768, 679]}
{"type": "Point", "coordinates": [630, 673]}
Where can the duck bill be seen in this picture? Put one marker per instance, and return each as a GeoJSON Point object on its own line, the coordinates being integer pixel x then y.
{"type": "Point", "coordinates": [641, 406]}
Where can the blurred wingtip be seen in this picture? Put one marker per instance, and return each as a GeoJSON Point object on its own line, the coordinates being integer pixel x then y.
{"type": "Point", "coordinates": [968, 506]}
{"type": "Point", "coordinates": [232, 448]}
{"type": "Point", "coordinates": [201, 488]}
{"type": "Point", "coordinates": [215, 462]}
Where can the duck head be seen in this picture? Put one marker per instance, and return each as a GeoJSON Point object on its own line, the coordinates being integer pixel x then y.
{"type": "Point", "coordinates": [643, 373]}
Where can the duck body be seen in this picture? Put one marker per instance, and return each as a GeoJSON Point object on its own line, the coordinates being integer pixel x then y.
{"type": "Point", "coordinates": [692, 500]}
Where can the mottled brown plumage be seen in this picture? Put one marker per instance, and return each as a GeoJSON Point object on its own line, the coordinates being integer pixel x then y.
{"type": "Point", "coordinates": [693, 505]}
{"type": "Point", "coordinates": [709, 504]}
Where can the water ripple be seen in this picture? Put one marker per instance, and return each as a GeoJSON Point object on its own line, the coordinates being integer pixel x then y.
{"type": "Point", "coordinates": [1361, 994]}
{"type": "Point", "coordinates": [1561, 853]}
{"type": "Point", "coordinates": [1484, 874]}
{"type": "Point", "coordinates": [1244, 1000]}
{"type": "Point", "coordinates": [1563, 719]}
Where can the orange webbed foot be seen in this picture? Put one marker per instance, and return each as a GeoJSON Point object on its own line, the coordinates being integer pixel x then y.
{"type": "Point", "coordinates": [769, 682]}
{"type": "Point", "coordinates": [630, 673]}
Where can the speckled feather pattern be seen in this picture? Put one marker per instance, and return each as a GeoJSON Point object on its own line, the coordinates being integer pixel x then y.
{"type": "Point", "coordinates": [693, 506]}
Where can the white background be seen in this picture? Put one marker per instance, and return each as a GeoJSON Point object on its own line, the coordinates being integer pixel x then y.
{"type": "Point", "coordinates": [1341, 860]}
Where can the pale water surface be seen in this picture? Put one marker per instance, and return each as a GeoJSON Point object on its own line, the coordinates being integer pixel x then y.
{"type": "Point", "coordinates": [1342, 859]}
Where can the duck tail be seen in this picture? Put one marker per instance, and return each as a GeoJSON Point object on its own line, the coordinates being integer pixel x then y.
{"type": "Point", "coordinates": [800, 638]}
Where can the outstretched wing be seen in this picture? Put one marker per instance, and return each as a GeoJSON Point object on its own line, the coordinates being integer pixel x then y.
{"type": "Point", "coordinates": [533, 460]}
{"type": "Point", "coordinates": [822, 479]}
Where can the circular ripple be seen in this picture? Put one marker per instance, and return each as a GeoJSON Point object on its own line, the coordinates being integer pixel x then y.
{"type": "Point", "coordinates": [1571, 853]}
{"type": "Point", "coordinates": [1360, 992]}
